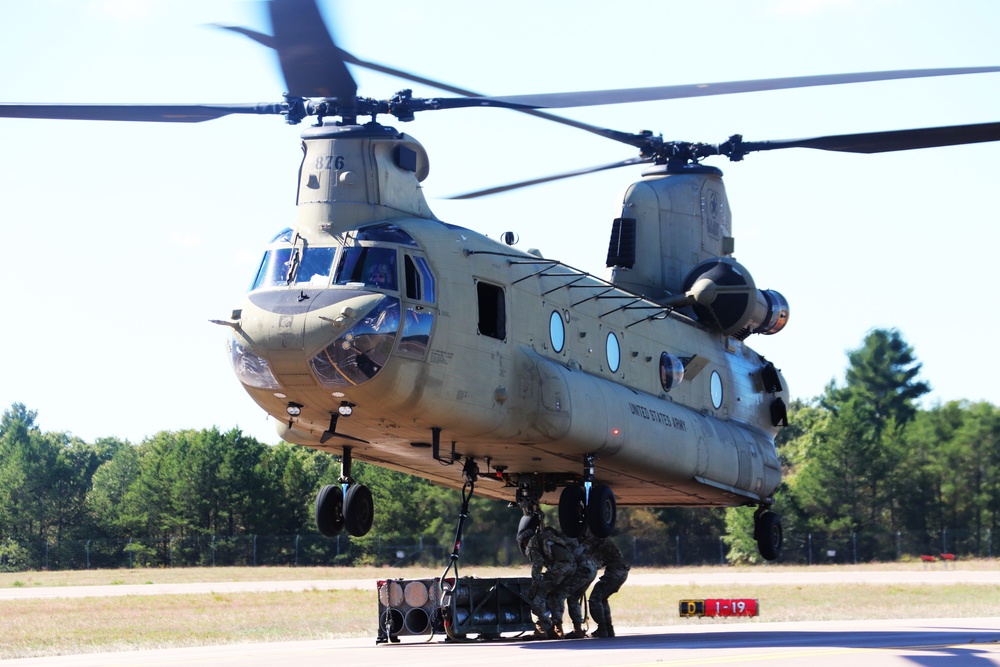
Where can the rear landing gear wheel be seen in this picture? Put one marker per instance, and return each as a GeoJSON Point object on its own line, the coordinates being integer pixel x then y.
{"type": "Point", "coordinates": [767, 530]}
{"type": "Point", "coordinates": [572, 511]}
{"type": "Point", "coordinates": [359, 510]}
{"type": "Point", "coordinates": [330, 510]}
{"type": "Point", "coordinates": [602, 511]}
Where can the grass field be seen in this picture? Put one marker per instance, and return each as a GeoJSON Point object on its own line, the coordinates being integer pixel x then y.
{"type": "Point", "coordinates": [38, 627]}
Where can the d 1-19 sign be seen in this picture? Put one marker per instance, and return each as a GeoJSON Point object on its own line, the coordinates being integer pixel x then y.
{"type": "Point", "coordinates": [719, 607]}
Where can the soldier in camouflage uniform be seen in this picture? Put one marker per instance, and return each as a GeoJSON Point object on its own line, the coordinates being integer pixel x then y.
{"type": "Point", "coordinates": [552, 561]}
{"type": "Point", "coordinates": [576, 587]}
{"type": "Point", "coordinates": [608, 556]}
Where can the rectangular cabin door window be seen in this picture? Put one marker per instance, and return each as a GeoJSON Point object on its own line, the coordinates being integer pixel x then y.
{"type": "Point", "coordinates": [492, 311]}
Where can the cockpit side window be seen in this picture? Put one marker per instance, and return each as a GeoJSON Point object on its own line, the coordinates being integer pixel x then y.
{"type": "Point", "coordinates": [373, 267]}
{"type": "Point", "coordinates": [419, 279]}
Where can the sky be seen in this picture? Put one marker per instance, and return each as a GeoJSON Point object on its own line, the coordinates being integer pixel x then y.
{"type": "Point", "coordinates": [120, 241]}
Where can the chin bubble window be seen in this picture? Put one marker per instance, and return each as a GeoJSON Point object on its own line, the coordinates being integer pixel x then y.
{"type": "Point", "coordinates": [361, 352]}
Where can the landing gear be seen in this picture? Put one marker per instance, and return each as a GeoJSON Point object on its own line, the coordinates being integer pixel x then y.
{"type": "Point", "coordinates": [330, 510]}
{"type": "Point", "coordinates": [590, 506]}
{"type": "Point", "coordinates": [767, 531]}
{"type": "Point", "coordinates": [359, 510]}
{"type": "Point", "coordinates": [602, 511]}
{"type": "Point", "coordinates": [572, 511]}
{"type": "Point", "coordinates": [345, 505]}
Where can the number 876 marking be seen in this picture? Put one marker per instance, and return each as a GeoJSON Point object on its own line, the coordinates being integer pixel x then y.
{"type": "Point", "coordinates": [330, 162]}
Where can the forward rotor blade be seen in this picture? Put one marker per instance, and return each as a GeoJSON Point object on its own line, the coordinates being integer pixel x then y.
{"type": "Point", "coordinates": [406, 76]}
{"type": "Point", "coordinates": [162, 113]}
{"type": "Point", "coordinates": [626, 95]}
{"type": "Point", "coordinates": [310, 61]}
{"type": "Point", "coordinates": [548, 179]}
{"type": "Point", "coordinates": [884, 142]}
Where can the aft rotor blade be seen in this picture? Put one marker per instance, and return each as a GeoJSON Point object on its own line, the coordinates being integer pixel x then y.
{"type": "Point", "coordinates": [884, 142]}
{"type": "Point", "coordinates": [310, 61]}
{"type": "Point", "coordinates": [161, 113]}
{"type": "Point", "coordinates": [548, 179]}
{"type": "Point", "coordinates": [626, 95]}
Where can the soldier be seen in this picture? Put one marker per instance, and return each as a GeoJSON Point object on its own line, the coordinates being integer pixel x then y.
{"type": "Point", "coordinates": [576, 587]}
{"type": "Point", "coordinates": [551, 563]}
{"type": "Point", "coordinates": [608, 556]}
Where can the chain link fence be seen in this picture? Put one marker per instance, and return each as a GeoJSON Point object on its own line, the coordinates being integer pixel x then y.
{"type": "Point", "coordinates": [315, 550]}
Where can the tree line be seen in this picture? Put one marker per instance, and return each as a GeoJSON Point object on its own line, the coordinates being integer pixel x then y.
{"type": "Point", "coordinates": [863, 464]}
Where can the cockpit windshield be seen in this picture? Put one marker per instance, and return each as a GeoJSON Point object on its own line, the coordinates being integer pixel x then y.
{"type": "Point", "coordinates": [372, 267]}
{"type": "Point", "coordinates": [273, 270]}
{"type": "Point", "coordinates": [290, 261]}
{"type": "Point", "coordinates": [314, 268]}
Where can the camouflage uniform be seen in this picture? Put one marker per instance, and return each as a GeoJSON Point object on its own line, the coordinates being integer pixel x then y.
{"type": "Point", "coordinates": [608, 556]}
{"type": "Point", "coordinates": [552, 561]}
{"type": "Point", "coordinates": [576, 587]}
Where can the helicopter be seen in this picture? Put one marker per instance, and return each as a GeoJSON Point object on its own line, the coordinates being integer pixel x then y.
{"type": "Point", "coordinates": [377, 332]}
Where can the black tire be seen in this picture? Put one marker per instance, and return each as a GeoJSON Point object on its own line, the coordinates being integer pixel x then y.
{"type": "Point", "coordinates": [769, 535]}
{"type": "Point", "coordinates": [359, 510]}
{"type": "Point", "coordinates": [330, 510]}
{"type": "Point", "coordinates": [602, 511]}
{"type": "Point", "coordinates": [572, 511]}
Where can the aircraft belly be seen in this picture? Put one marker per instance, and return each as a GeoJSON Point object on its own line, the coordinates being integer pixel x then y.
{"type": "Point", "coordinates": [645, 437]}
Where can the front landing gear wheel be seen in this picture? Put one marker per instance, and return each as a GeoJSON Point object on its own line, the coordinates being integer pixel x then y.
{"type": "Point", "coordinates": [359, 510]}
{"type": "Point", "coordinates": [330, 510]}
{"type": "Point", "coordinates": [602, 511]}
{"type": "Point", "coordinates": [767, 530]}
{"type": "Point", "coordinates": [572, 511]}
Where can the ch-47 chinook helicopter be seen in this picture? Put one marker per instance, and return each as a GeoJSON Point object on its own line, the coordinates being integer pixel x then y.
{"type": "Point", "coordinates": [378, 332]}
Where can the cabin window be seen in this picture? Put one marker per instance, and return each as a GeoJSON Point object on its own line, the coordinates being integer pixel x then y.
{"type": "Point", "coordinates": [715, 389]}
{"type": "Point", "coordinates": [557, 331]}
{"type": "Point", "coordinates": [419, 279]}
{"type": "Point", "coordinates": [492, 311]}
{"type": "Point", "coordinates": [614, 353]}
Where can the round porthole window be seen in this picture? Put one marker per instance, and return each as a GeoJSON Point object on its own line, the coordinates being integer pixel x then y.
{"type": "Point", "coordinates": [716, 390]}
{"type": "Point", "coordinates": [671, 371]}
{"type": "Point", "coordinates": [614, 353]}
{"type": "Point", "coordinates": [557, 331]}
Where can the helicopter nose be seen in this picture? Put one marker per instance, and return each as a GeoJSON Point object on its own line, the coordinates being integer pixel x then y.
{"type": "Point", "coordinates": [324, 337]}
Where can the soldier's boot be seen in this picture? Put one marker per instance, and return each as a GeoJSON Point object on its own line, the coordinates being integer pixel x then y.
{"type": "Point", "coordinates": [556, 632]}
{"type": "Point", "coordinates": [578, 631]}
{"type": "Point", "coordinates": [542, 631]}
{"type": "Point", "coordinates": [601, 631]}
{"type": "Point", "coordinates": [609, 627]}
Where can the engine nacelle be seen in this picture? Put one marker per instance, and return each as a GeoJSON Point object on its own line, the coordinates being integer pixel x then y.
{"type": "Point", "coordinates": [724, 297]}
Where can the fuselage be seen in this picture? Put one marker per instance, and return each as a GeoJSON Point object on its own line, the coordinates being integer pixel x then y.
{"type": "Point", "coordinates": [378, 334]}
